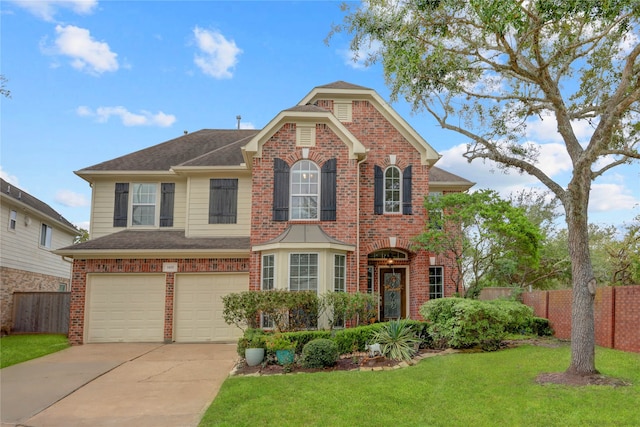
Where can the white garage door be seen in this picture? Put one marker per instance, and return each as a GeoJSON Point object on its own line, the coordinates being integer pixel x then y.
{"type": "Point", "coordinates": [125, 308]}
{"type": "Point", "coordinates": [198, 306]}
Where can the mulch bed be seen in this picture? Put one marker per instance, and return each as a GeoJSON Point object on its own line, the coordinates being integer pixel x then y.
{"type": "Point", "coordinates": [361, 361]}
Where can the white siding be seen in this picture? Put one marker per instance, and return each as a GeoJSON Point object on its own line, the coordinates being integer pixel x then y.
{"type": "Point", "coordinates": [20, 248]}
{"type": "Point", "coordinates": [198, 209]}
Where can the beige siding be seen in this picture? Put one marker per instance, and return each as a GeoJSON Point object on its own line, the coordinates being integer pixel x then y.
{"type": "Point", "coordinates": [20, 248]}
{"type": "Point", "coordinates": [198, 209]}
{"type": "Point", "coordinates": [103, 204]}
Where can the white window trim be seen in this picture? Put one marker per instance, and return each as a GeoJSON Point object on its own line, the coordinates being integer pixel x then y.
{"type": "Point", "coordinates": [318, 278]}
{"type": "Point", "coordinates": [384, 189]}
{"type": "Point", "coordinates": [291, 194]}
{"type": "Point", "coordinates": [46, 240]}
{"type": "Point", "coordinates": [275, 269]}
{"type": "Point", "coordinates": [344, 276]}
{"type": "Point", "coordinates": [441, 268]}
{"type": "Point", "coordinates": [156, 211]}
{"type": "Point", "coordinates": [13, 221]}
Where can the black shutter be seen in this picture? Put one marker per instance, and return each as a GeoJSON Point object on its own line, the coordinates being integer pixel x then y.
{"type": "Point", "coordinates": [121, 204]}
{"type": "Point", "coordinates": [328, 191]}
{"type": "Point", "coordinates": [378, 191]}
{"type": "Point", "coordinates": [166, 203]}
{"type": "Point", "coordinates": [223, 201]}
{"type": "Point", "coordinates": [280, 190]}
{"type": "Point", "coordinates": [406, 192]}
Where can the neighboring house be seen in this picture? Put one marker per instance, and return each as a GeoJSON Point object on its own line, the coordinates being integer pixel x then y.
{"type": "Point", "coordinates": [326, 197]}
{"type": "Point", "coordinates": [29, 232]}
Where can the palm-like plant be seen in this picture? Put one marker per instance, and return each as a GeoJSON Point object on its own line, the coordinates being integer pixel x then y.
{"type": "Point", "coordinates": [397, 340]}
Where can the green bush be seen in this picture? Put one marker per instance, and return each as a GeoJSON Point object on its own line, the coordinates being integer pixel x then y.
{"type": "Point", "coordinates": [464, 323]}
{"type": "Point", "coordinates": [397, 340]}
{"type": "Point", "coordinates": [303, 337]}
{"type": "Point", "coordinates": [319, 353]}
{"type": "Point", "coordinates": [518, 316]}
{"type": "Point", "coordinates": [354, 339]}
{"type": "Point", "coordinates": [541, 327]}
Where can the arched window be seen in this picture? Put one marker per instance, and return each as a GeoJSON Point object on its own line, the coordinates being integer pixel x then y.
{"type": "Point", "coordinates": [305, 190]}
{"type": "Point", "coordinates": [392, 190]}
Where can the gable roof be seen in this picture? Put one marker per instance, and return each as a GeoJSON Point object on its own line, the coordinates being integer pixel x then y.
{"type": "Point", "coordinates": [344, 90]}
{"type": "Point", "coordinates": [21, 197]}
{"type": "Point", "coordinates": [439, 178]}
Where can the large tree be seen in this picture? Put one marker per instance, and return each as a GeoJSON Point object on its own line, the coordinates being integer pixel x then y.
{"type": "Point", "coordinates": [486, 68]}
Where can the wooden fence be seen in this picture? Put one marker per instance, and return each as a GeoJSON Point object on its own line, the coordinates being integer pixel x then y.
{"type": "Point", "coordinates": [41, 312]}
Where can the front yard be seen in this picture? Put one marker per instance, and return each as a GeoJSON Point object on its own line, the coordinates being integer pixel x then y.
{"type": "Point", "coordinates": [16, 349]}
{"type": "Point", "coordinates": [480, 389]}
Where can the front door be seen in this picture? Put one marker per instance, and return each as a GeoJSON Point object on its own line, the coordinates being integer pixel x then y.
{"type": "Point", "coordinates": [392, 289]}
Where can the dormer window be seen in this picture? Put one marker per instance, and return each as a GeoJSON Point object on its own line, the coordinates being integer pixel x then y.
{"type": "Point", "coordinates": [305, 190]}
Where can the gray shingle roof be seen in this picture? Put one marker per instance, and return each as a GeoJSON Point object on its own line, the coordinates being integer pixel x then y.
{"type": "Point", "coordinates": [224, 144]}
{"type": "Point", "coordinates": [304, 233]}
{"type": "Point", "coordinates": [20, 195]}
{"type": "Point", "coordinates": [309, 108]}
{"type": "Point", "coordinates": [127, 240]}
{"type": "Point", "coordinates": [343, 85]}
{"type": "Point", "coordinates": [439, 175]}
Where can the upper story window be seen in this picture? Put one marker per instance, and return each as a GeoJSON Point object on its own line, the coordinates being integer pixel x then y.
{"type": "Point", "coordinates": [13, 218]}
{"type": "Point", "coordinates": [392, 187]}
{"type": "Point", "coordinates": [147, 209]}
{"type": "Point", "coordinates": [223, 201]}
{"type": "Point", "coordinates": [46, 234]}
{"type": "Point", "coordinates": [392, 190]}
{"type": "Point", "coordinates": [143, 204]}
{"type": "Point", "coordinates": [305, 190]}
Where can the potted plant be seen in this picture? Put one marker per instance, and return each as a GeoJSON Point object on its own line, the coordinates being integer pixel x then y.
{"type": "Point", "coordinates": [283, 347]}
{"type": "Point", "coordinates": [254, 351]}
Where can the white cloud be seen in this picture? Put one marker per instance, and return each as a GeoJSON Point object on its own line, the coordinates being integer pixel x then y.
{"type": "Point", "coordinates": [47, 9]}
{"type": "Point", "coordinates": [218, 56]}
{"type": "Point", "coordinates": [247, 125]}
{"type": "Point", "coordinates": [144, 118]}
{"type": "Point", "coordinates": [11, 179]}
{"type": "Point", "coordinates": [611, 197]}
{"type": "Point", "coordinates": [86, 54]}
{"type": "Point", "coordinates": [545, 129]}
{"type": "Point", "coordinates": [358, 60]}
{"type": "Point", "coordinates": [70, 199]}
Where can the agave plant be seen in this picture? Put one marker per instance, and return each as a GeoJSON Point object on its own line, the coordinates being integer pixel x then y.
{"type": "Point", "coordinates": [397, 340]}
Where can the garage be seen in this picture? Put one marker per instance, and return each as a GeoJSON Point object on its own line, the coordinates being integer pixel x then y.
{"type": "Point", "coordinates": [198, 306]}
{"type": "Point", "coordinates": [125, 308]}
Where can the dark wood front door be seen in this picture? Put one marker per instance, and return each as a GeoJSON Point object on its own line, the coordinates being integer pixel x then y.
{"type": "Point", "coordinates": [392, 289]}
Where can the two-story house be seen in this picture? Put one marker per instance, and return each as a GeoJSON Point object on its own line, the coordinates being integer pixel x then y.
{"type": "Point", "coordinates": [31, 230]}
{"type": "Point", "coordinates": [326, 197]}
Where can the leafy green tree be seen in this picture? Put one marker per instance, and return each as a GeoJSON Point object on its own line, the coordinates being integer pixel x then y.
{"type": "Point", "coordinates": [476, 231]}
{"type": "Point", "coordinates": [624, 256]}
{"type": "Point", "coordinates": [486, 68]}
{"type": "Point", "coordinates": [83, 236]}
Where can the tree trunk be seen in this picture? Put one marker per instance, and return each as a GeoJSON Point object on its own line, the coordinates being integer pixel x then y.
{"type": "Point", "coordinates": [584, 287]}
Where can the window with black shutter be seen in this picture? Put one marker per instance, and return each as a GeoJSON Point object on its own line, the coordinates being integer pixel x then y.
{"type": "Point", "coordinates": [223, 201]}
{"type": "Point", "coordinates": [406, 191]}
{"type": "Point", "coordinates": [378, 190]}
{"type": "Point", "coordinates": [120, 206]}
{"type": "Point", "coordinates": [280, 190]}
{"type": "Point", "coordinates": [328, 191]}
{"type": "Point", "coordinates": [166, 204]}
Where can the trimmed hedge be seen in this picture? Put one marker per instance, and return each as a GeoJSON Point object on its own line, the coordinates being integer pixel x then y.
{"type": "Point", "coordinates": [518, 316]}
{"type": "Point", "coordinates": [320, 353]}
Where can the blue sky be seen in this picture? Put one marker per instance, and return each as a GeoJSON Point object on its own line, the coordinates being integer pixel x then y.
{"type": "Point", "coordinates": [93, 80]}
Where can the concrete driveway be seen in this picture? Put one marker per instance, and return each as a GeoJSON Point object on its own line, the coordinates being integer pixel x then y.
{"type": "Point", "coordinates": [115, 385]}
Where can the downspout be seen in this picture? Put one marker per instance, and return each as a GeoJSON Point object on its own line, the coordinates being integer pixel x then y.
{"type": "Point", "coordinates": [358, 220]}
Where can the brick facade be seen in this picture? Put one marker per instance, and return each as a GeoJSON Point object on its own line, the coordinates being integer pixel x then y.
{"type": "Point", "coordinates": [617, 318]}
{"type": "Point", "coordinates": [23, 281]}
{"type": "Point", "coordinates": [82, 267]}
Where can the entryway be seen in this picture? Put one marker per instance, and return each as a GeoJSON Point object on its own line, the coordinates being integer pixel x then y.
{"type": "Point", "coordinates": [393, 285]}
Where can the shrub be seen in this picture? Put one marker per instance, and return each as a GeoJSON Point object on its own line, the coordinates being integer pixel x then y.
{"type": "Point", "coordinates": [241, 309]}
{"type": "Point", "coordinates": [354, 339]}
{"type": "Point", "coordinates": [397, 340]}
{"type": "Point", "coordinates": [518, 316]}
{"type": "Point", "coordinates": [464, 323]}
{"type": "Point", "coordinates": [303, 337]}
{"type": "Point", "coordinates": [319, 353]}
{"type": "Point", "coordinates": [541, 327]}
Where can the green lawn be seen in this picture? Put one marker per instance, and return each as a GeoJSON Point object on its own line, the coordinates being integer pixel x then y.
{"type": "Point", "coordinates": [20, 348]}
{"type": "Point", "coordinates": [472, 389]}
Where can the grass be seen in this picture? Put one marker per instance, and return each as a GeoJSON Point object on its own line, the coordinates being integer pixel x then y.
{"type": "Point", "coordinates": [16, 349]}
{"type": "Point", "coordinates": [479, 389]}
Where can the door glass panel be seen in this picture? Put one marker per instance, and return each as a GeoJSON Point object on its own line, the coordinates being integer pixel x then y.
{"type": "Point", "coordinates": [392, 295]}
